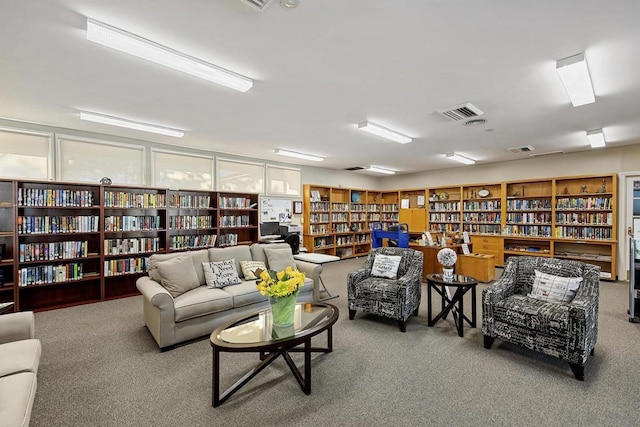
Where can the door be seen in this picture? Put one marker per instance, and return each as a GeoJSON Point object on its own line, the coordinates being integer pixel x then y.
{"type": "Point", "coordinates": [631, 224]}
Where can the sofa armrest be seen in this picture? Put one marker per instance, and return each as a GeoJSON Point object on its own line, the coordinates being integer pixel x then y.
{"type": "Point", "coordinates": [158, 311]}
{"type": "Point", "coordinates": [313, 272]}
{"type": "Point", "coordinates": [17, 326]}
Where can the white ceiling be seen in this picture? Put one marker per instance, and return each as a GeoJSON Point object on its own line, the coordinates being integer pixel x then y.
{"type": "Point", "coordinates": [323, 67]}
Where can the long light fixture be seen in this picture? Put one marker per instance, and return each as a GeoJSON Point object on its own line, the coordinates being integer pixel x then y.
{"type": "Point", "coordinates": [596, 138]}
{"type": "Point", "coordinates": [384, 132]}
{"type": "Point", "coordinates": [380, 170]}
{"type": "Point", "coordinates": [125, 123]}
{"type": "Point", "coordinates": [459, 158]}
{"type": "Point", "coordinates": [146, 49]}
{"type": "Point", "coordinates": [574, 73]}
{"type": "Point", "coordinates": [299, 155]}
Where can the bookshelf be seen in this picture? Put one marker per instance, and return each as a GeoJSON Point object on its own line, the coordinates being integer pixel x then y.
{"type": "Point", "coordinates": [8, 292]}
{"type": "Point", "coordinates": [59, 237]}
{"type": "Point", "coordinates": [389, 208]}
{"type": "Point", "coordinates": [65, 244]}
{"type": "Point", "coordinates": [482, 209]}
{"type": "Point", "coordinates": [444, 210]}
{"type": "Point", "coordinates": [237, 223]}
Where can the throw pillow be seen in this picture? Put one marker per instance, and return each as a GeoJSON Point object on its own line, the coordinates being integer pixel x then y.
{"type": "Point", "coordinates": [219, 274]}
{"type": "Point", "coordinates": [280, 258]}
{"type": "Point", "coordinates": [550, 288]}
{"type": "Point", "coordinates": [177, 275]}
{"type": "Point", "coordinates": [386, 266]}
{"type": "Point", "coordinates": [249, 267]}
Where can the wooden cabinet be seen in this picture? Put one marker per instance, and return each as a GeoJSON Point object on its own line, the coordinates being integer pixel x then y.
{"type": "Point", "coordinates": [488, 245]}
{"type": "Point", "coordinates": [481, 267]}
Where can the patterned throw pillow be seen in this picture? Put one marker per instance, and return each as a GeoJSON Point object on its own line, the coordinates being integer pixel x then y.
{"type": "Point", "coordinates": [386, 266]}
{"type": "Point", "coordinates": [248, 268]}
{"type": "Point", "coordinates": [550, 288]}
{"type": "Point", "coordinates": [219, 274]}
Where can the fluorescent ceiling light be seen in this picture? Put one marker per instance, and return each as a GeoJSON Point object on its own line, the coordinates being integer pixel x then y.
{"type": "Point", "coordinates": [142, 48]}
{"type": "Point", "coordinates": [575, 77]}
{"type": "Point", "coordinates": [382, 131]}
{"type": "Point", "coordinates": [117, 121]}
{"type": "Point", "coordinates": [380, 170]}
{"type": "Point", "coordinates": [299, 155]}
{"type": "Point", "coordinates": [459, 158]}
{"type": "Point", "coordinates": [596, 138]}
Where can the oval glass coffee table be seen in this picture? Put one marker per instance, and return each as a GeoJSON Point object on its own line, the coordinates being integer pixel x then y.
{"type": "Point", "coordinates": [255, 332]}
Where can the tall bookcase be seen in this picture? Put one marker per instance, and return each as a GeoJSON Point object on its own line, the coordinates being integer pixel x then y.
{"type": "Point", "coordinates": [337, 220]}
{"type": "Point", "coordinates": [65, 244]}
{"type": "Point", "coordinates": [565, 217]}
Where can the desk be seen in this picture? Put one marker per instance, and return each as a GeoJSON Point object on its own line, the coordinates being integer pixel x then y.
{"type": "Point", "coordinates": [430, 262]}
{"type": "Point", "coordinates": [455, 303]}
{"type": "Point", "coordinates": [317, 258]}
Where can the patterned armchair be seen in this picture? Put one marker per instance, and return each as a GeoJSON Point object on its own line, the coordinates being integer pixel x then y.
{"type": "Point", "coordinates": [565, 330]}
{"type": "Point", "coordinates": [394, 298]}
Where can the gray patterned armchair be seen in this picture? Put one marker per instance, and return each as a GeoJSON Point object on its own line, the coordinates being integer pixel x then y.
{"type": "Point", "coordinates": [565, 330]}
{"type": "Point", "coordinates": [394, 298]}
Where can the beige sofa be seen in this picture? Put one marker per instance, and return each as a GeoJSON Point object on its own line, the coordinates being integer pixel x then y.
{"type": "Point", "coordinates": [19, 360]}
{"type": "Point", "coordinates": [173, 319]}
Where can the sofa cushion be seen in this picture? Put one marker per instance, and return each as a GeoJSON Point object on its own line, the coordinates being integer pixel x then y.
{"type": "Point", "coordinates": [19, 356]}
{"type": "Point", "coordinates": [550, 288]}
{"type": "Point", "coordinates": [219, 274]}
{"type": "Point", "coordinates": [239, 253]}
{"type": "Point", "coordinates": [386, 266]}
{"type": "Point", "coordinates": [249, 267]}
{"type": "Point", "coordinates": [526, 312]}
{"type": "Point", "coordinates": [177, 275]}
{"type": "Point", "coordinates": [21, 388]}
{"type": "Point", "coordinates": [197, 258]}
{"type": "Point", "coordinates": [245, 293]}
{"type": "Point", "coordinates": [280, 258]}
{"type": "Point", "coordinates": [201, 301]}
{"type": "Point", "coordinates": [257, 250]}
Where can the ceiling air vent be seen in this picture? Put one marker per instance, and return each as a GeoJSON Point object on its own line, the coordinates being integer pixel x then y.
{"type": "Point", "coordinates": [258, 4]}
{"type": "Point", "coordinates": [461, 112]}
{"type": "Point", "coordinates": [355, 168]}
{"type": "Point", "coordinates": [523, 149]}
{"type": "Point", "coordinates": [475, 122]}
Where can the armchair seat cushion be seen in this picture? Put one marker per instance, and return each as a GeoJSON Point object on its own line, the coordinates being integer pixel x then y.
{"type": "Point", "coordinates": [377, 288]}
{"type": "Point", "coordinates": [530, 313]}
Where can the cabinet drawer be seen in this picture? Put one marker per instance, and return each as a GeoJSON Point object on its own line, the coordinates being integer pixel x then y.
{"type": "Point", "coordinates": [481, 243]}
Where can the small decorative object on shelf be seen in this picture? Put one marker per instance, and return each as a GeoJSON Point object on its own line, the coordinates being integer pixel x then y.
{"type": "Point", "coordinates": [484, 193]}
{"type": "Point", "coordinates": [444, 195]}
{"type": "Point", "coordinates": [447, 257]}
{"type": "Point", "coordinates": [105, 180]}
{"type": "Point", "coordinates": [603, 189]}
{"type": "Point", "coordinates": [583, 189]}
{"type": "Point", "coordinates": [282, 288]}
{"type": "Point", "coordinates": [565, 190]}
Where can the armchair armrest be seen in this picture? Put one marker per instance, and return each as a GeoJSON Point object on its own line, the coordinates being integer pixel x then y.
{"type": "Point", "coordinates": [17, 326]}
{"type": "Point", "coordinates": [312, 271]}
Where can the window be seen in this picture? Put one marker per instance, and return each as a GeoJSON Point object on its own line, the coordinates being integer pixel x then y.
{"type": "Point", "coordinates": [240, 176]}
{"type": "Point", "coordinates": [283, 181]}
{"type": "Point", "coordinates": [182, 171]}
{"type": "Point", "coordinates": [25, 154]}
{"type": "Point", "coordinates": [88, 160]}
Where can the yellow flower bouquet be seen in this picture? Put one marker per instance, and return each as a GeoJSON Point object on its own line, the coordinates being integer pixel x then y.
{"type": "Point", "coordinates": [282, 288]}
{"type": "Point", "coordinates": [280, 284]}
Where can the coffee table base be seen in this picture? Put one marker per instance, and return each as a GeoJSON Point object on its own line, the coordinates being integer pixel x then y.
{"type": "Point", "coordinates": [266, 359]}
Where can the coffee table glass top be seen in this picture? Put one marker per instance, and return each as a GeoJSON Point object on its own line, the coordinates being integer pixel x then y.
{"type": "Point", "coordinates": [257, 328]}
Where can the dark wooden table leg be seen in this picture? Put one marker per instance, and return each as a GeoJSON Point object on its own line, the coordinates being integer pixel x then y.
{"type": "Point", "coordinates": [459, 295]}
{"type": "Point", "coordinates": [473, 306]}
{"type": "Point", "coordinates": [429, 313]}
{"type": "Point", "coordinates": [215, 377]}
{"type": "Point", "coordinates": [307, 366]}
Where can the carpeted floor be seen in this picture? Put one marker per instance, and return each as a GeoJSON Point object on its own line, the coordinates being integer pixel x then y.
{"type": "Point", "coordinates": [101, 367]}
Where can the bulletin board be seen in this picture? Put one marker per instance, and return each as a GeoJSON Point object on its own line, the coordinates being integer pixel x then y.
{"type": "Point", "coordinates": [275, 209]}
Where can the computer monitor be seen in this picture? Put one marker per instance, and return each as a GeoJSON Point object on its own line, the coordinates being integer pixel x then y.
{"type": "Point", "coordinates": [270, 228]}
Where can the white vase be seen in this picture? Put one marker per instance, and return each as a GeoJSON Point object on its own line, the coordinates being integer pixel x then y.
{"type": "Point", "coordinates": [447, 272]}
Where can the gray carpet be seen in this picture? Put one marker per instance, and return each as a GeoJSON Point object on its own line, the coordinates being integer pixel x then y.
{"type": "Point", "coordinates": [101, 367]}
